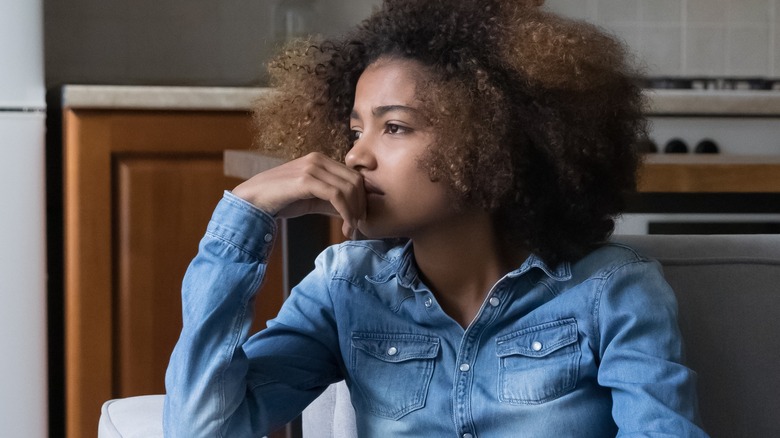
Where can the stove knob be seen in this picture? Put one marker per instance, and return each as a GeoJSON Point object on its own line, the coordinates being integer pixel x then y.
{"type": "Point", "coordinates": [706, 146]}
{"type": "Point", "coordinates": [676, 146]}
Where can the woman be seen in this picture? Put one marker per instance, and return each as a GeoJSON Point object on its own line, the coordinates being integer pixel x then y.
{"type": "Point", "coordinates": [482, 149]}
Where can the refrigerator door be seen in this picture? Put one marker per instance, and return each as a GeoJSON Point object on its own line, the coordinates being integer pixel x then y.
{"type": "Point", "coordinates": [21, 54]}
{"type": "Point", "coordinates": [23, 369]}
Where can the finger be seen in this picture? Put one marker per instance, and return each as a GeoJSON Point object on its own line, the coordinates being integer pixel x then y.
{"type": "Point", "coordinates": [350, 190]}
{"type": "Point", "coordinates": [344, 199]}
{"type": "Point", "coordinates": [319, 191]}
{"type": "Point", "coordinates": [347, 182]}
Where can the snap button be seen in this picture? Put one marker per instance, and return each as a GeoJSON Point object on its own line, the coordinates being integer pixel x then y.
{"type": "Point", "coordinates": [268, 237]}
{"type": "Point", "coordinates": [494, 301]}
{"type": "Point", "coordinates": [536, 346]}
{"type": "Point", "coordinates": [468, 435]}
{"type": "Point", "coordinates": [392, 351]}
{"type": "Point", "coordinates": [428, 302]}
{"type": "Point", "coordinates": [465, 367]}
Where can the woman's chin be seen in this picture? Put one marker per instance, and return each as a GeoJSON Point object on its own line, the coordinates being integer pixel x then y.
{"type": "Point", "coordinates": [367, 230]}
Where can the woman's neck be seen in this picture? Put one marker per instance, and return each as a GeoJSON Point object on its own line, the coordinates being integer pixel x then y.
{"type": "Point", "coordinates": [460, 263]}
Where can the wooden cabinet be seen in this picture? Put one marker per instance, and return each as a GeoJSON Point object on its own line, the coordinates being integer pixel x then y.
{"type": "Point", "coordinates": [139, 189]}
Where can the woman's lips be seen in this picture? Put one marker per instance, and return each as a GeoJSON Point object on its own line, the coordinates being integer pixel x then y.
{"type": "Point", "coordinates": [370, 188]}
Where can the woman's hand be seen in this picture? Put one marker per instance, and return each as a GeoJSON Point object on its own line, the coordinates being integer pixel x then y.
{"type": "Point", "coordinates": [310, 184]}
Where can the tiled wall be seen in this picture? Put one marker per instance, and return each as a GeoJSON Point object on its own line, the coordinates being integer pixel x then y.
{"type": "Point", "coordinates": [173, 42]}
{"type": "Point", "coordinates": [691, 37]}
{"type": "Point", "coordinates": [207, 42]}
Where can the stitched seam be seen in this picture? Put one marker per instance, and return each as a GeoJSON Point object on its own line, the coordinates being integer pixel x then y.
{"type": "Point", "coordinates": [233, 346]}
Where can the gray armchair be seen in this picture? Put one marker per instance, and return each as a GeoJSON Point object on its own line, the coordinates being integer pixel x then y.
{"type": "Point", "coordinates": [728, 289]}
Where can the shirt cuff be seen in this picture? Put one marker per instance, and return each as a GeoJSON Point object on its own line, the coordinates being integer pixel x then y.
{"type": "Point", "coordinates": [243, 225]}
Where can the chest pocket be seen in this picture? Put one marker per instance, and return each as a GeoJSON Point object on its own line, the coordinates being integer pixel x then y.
{"type": "Point", "coordinates": [392, 371]}
{"type": "Point", "coordinates": [539, 363]}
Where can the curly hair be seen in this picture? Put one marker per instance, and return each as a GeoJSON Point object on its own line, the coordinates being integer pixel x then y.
{"type": "Point", "coordinates": [534, 114]}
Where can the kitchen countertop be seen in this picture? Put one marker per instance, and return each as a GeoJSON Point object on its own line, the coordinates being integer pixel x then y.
{"type": "Point", "coordinates": [160, 97]}
{"type": "Point", "coordinates": [661, 102]}
{"type": "Point", "coordinates": [713, 103]}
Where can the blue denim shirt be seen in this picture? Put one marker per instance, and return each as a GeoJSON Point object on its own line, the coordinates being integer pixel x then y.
{"type": "Point", "coordinates": [589, 349]}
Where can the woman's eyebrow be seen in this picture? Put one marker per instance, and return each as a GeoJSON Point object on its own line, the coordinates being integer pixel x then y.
{"type": "Point", "coordinates": [384, 109]}
{"type": "Point", "coordinates": [380, 111]}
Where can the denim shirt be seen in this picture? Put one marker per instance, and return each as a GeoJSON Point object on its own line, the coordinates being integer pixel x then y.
{"type": "Point", "coordinates": [589, 349]}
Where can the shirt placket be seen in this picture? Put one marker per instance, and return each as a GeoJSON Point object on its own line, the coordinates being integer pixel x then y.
{"type": "Point", "coordinates": [466, 359]}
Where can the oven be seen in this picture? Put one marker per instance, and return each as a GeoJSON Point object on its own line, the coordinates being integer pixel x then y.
{"type": "Point", "coordinates": [712, 159]}
{"type": "Point", "coordinates": [701, 213]}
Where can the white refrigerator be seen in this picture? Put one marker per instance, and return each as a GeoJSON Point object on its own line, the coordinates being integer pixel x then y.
{"type": "Point", "coordinates": [23, 367]}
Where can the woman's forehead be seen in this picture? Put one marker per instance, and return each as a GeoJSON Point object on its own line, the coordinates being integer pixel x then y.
{"type": "Point", "coordinates": [390, 81]}
{"type": "Point", "coordinates": [409, 69]}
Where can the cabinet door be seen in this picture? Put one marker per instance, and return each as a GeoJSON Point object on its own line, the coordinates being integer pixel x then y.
{"type": "Point", "coordinates": [139, 190]}
{"type": "Point", "coordinates": [161, 207]}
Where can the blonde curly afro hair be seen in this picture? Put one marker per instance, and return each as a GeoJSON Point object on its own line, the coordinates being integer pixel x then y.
{"type": "Point", "coordinates": [535, 115]}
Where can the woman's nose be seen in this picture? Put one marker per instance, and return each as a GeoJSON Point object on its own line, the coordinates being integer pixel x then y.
{"type": "Point", "coordinates": [361, 156]}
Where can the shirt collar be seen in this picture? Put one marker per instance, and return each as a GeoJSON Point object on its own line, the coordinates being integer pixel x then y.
{"type": "Point", "coordinates": [560, 272]}
{"type": "Point", "coordinates": [404, 268]}
{"type": "Point", "coordinates": [407, 270]}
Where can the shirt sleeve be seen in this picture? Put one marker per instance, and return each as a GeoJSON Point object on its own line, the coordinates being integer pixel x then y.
{"type": "Point", "coordinates": [220, 382]}
{"type": "Point", "coordinates": [653, 392]}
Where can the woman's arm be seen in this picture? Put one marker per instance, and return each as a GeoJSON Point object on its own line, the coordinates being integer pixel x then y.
{"type": "Point", "coordinates": [219, 382]}
{"type": "Point", "coordinates": [653, 392]}
{"type": "Point", "coordinates": [206, 382]}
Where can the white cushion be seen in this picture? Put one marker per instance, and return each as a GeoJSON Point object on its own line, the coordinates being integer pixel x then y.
{"type": "Point", "coordinates": [331, 415]}
{"type": "Point", "coordinates": [132, 417]}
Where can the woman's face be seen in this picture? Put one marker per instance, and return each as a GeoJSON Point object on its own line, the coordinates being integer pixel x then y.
{"type": "Point", "coordinates": [390, 136]}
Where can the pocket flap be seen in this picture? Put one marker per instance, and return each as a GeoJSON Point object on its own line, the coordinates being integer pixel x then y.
{"type": "Point", "coordinates": [396, 347]}
{"type": "Point", "coordinates": [539, 340]}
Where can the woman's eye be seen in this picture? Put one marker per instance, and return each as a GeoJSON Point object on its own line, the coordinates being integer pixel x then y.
{"type": "Point", "coordinates": [392, 128]}
{"type": "Point", "coordinates": [355, 135]}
